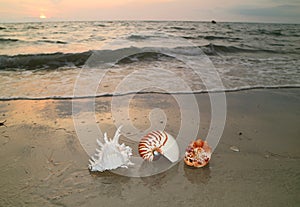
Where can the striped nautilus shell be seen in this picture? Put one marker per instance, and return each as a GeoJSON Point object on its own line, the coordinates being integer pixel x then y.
{"type": "Point", "coordinates": [158, 143]}
{"type": "Point", "coordinates": [197, 154]}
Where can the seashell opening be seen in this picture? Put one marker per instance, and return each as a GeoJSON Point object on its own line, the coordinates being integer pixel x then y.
{"type": "Point", "coordinates": [111, 154]}
{"type": "Point", "coordinates": [158, 143]}
{"type": "Point", "coordinates": [197, 154]}
{"type": "Point", "coordinates": [156, 152]}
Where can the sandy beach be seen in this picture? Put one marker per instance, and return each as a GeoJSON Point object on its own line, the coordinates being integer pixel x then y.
{"type": "Point", "coordinates": [43, 164]}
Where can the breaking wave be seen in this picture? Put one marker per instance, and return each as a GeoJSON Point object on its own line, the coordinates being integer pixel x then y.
{"type": "Point", "coordinates": [59, 60]}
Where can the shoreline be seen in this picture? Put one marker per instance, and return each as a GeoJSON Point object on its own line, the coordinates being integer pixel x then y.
{"type": "Point", "coordinates": [43, 163]}
{"type": "Point", "coordinates": [250, 88]}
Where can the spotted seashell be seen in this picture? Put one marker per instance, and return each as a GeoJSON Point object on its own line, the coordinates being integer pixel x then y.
{"type": "Point", "coordinates": [197, 154]}
{"type": "Point", "coordinates": [158, 143]}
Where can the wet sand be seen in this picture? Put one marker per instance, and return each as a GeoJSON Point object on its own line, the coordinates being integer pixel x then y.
{"type": "Point", "coordinates": [43, 164]}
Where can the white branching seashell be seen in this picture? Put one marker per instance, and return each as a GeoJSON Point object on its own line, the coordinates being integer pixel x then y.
{"type": "Point", "coordinates": [111, 154]}
{"type": "Point", "coordinates": [156, 143]}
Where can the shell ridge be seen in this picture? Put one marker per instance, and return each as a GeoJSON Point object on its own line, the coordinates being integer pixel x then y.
{"type": "Point", "coordinates": [117, 135]}
{"type": "Point", "coordinates": [105, 138]}
{"type": "Point", "coordinates": [152, 139]}
{"type": "Point", "coordinates": [166, 139]}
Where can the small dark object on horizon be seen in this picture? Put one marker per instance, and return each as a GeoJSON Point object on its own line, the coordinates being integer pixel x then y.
{"type": "Point", "coordinates": [213, 21]}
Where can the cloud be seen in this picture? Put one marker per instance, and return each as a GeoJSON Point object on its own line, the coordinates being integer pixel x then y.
{"type": "Point", "coordinates": [294, 2]}
{"type": "Point", "coordinates": [289, 11]}
{"type": "Point", "coordinates": [56, 1]}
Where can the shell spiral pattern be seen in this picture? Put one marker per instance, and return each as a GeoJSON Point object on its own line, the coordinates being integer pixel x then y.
{"type": "Point", "coordinates": [158, 143]}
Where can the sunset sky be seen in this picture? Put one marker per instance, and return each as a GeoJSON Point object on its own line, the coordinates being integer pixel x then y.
{"type": "Point", "coordinates": [287, 11]}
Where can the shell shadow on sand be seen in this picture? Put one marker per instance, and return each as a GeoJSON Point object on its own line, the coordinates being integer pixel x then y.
{"type": "Point", "coordinates": [197, 175]}
{"type": "Point", "coordinates": [109, 183]}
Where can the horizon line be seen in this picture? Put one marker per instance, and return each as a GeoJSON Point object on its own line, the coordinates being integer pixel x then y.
{"type": "Point", "coordinates": [49, 20]}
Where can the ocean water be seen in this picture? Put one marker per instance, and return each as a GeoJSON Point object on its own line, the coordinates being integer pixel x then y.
{"type": "Point", "coordinates": [79, 59]}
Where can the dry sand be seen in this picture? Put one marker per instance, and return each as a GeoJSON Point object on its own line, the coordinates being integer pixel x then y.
{"type": "Point", "coordinates": [43, 164]}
